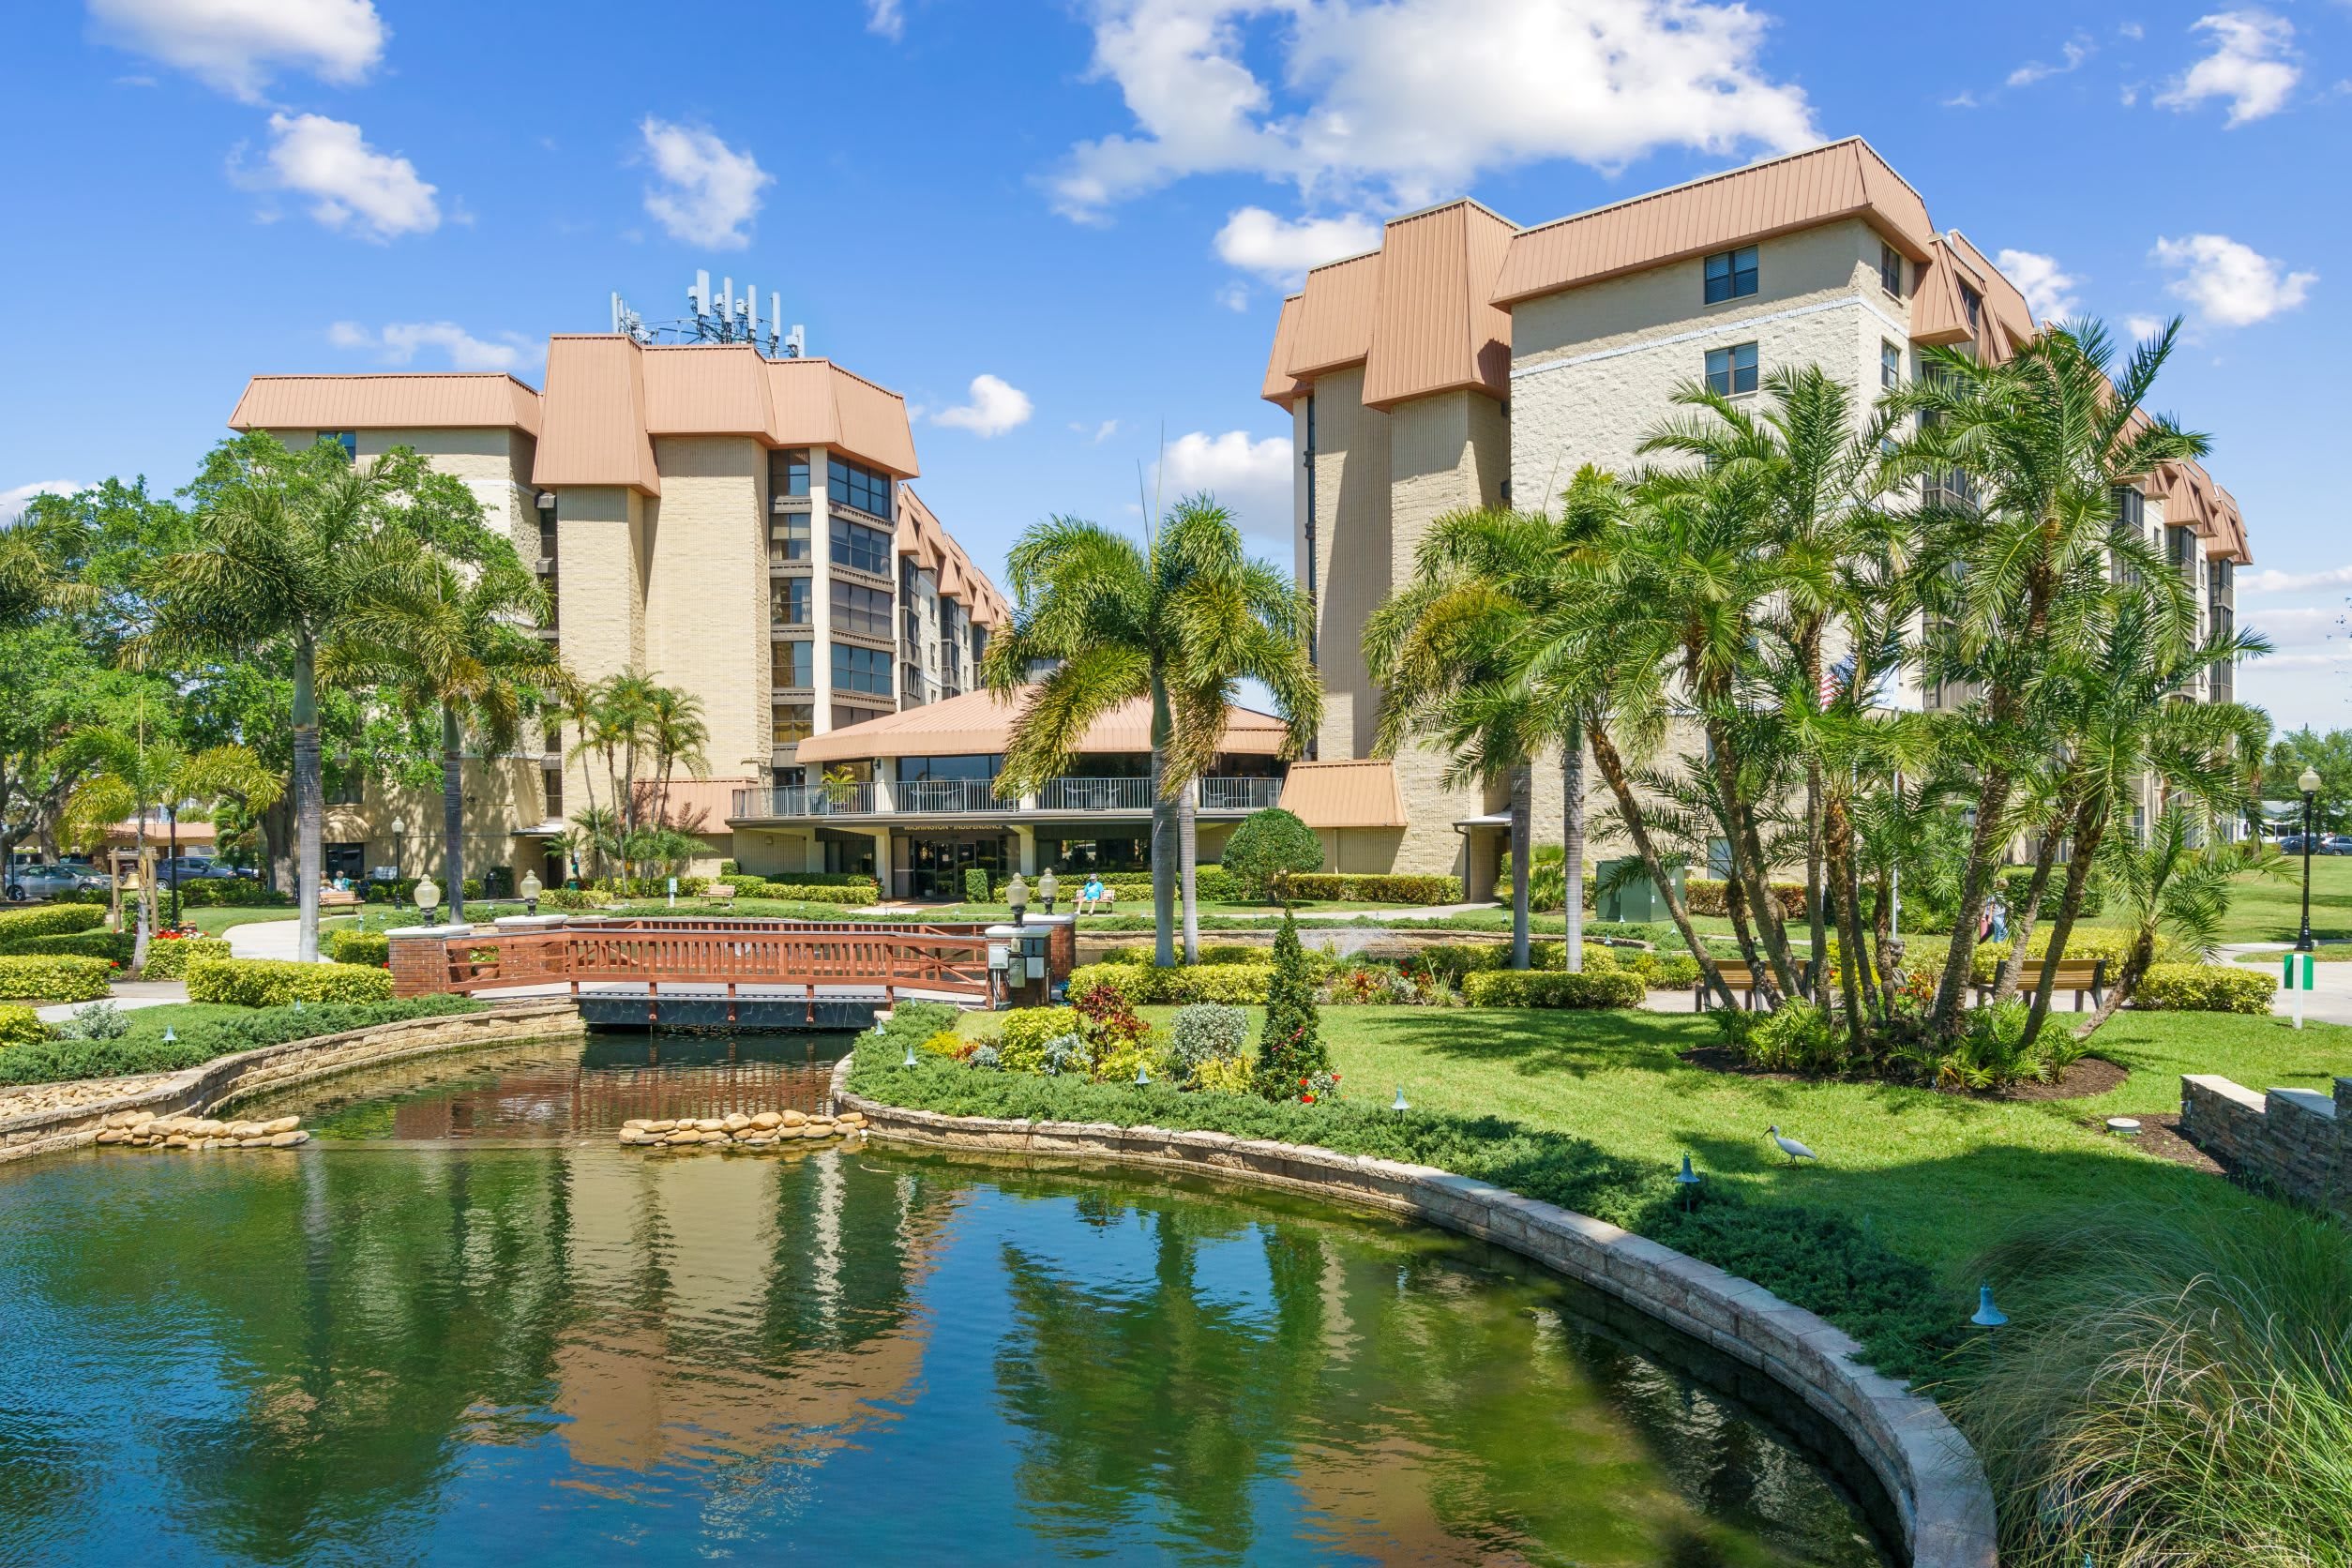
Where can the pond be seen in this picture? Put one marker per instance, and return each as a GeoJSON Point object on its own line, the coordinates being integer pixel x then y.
{"type": "Point", "coordinates": [465, 1325]}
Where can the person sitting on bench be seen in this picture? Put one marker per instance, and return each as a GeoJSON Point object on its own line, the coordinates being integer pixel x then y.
{"type": "Point", "coordinates": [1091, 894]}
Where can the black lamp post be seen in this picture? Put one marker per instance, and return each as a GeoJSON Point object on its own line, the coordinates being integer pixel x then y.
{"type": "Point", "coordinates": [2310, 785]}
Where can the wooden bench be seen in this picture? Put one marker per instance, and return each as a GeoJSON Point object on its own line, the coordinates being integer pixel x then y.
{"type": "Point", "coordinates": [1738, 974]}
{"type": "Point", "coordinates": [2079, 976]}
{"type": "Point", "coordinates": [333, 895]}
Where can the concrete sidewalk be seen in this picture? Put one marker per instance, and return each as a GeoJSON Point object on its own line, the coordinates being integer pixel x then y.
{"type": "Point", "coordinates": [2329, 1001]}
{"type": "Point", "coordinates": [265, 939]}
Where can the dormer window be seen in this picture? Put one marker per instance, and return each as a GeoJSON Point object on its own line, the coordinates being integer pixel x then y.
{"type": "Point", "coordinates": [1730, 274]}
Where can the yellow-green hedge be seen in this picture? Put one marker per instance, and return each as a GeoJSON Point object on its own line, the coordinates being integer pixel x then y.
{"type": "Point", "coordinates": [275, 981]}
{"type": "Point", "coordinates": [62, 979]}
{"type": "Point", "coordinates": [48, 920]}
{"type": "Point", "coordinates": [167, 958]}
{"type": "Point", "coordinates": [359, 947]}
{"type": "Point", "coordinates": [2205, 989]}
{"type": "Point", "coordinates": [21, 1026]}
{"type": "Point", "coordinates": [1531, 987]}
{"type": "Point", "coordinates": [1237, 985]}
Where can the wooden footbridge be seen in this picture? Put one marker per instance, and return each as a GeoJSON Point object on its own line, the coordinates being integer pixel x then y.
{"type": "Point", "coordinates": [713, 973]}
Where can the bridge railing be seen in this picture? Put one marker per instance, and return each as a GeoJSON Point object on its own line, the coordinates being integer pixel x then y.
{"type": "Point", "coordinates": [888, 961]}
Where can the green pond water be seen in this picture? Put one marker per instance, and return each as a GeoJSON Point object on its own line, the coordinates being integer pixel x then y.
{"type": "Point", "coordinates": [463, 1325]}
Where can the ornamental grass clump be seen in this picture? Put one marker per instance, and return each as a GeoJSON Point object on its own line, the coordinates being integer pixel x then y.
{"type": "Point", "coordinates": [2173, 1391]}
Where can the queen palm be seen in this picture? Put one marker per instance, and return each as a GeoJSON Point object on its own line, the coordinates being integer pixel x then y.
{"type": "Point", "coordinates": [292, 546]}
{"type": "Point", "coordinates": [455, 645]}
{"type": "Point", "coordinates": [2044, 439]}
{"type": "Point", "coordinates": [1179, 619]}
{"type": "Point", "coordinates": [677, 733]}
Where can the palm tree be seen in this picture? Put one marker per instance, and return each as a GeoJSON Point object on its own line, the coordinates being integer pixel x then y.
{"type": "Point", "coordinates": [457, 645]}
{"type": "Point", "coordinates": [2177, 887]}
{"type": "Point", "coordinates": [2044, 439]}
{"type": "Point", "coordinates": [677, 733]}
{"type": "Point", "coordinates": [292, 547]}
{"type": "Point", "coordinates": [1179, 619]}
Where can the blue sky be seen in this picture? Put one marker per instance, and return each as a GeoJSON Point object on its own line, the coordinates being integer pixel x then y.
{"type": "Point", "coordinates": [1096, 205]}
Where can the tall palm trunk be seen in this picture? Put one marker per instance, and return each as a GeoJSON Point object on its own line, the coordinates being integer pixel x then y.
{"type": "Point", "coordinates": [1816, 966]}
{"type": "Point", "coordinates": [1572, 844]}
{"type": "Point", "coordinates": [1163, 831]}
{"type": "Point", "coordinates": [2091, 825]}
{"type": "Point", "coordinates": [2136, 962]}
{"type": "Point", "coordinates": [1747, 862]}
{"type": "Point", "coordinates": [147, 892]}
{"type": "Point", "coordinates": [1187, 864]}
{"type": "Point", "coordinates": [1522, 841]}
{"type": "Point", "coordinates": [1853, 959]}
{"type": "Point", "coordinates": [453, 812]}
{"type": "Point", "coordinates": [2021, 925]}
{"type": "Point", "coordinates": [1983, 848]}
{"type": "Point", "coordinates": [309, 803]}
{"type": "Point", "coordinates": [1613, 773]}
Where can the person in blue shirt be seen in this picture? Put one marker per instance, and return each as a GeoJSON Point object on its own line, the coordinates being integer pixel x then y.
{"type": "Point", "coordinates": [1091, 896]}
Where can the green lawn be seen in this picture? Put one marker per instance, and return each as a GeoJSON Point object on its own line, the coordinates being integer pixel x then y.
{"type": "Point", "coordinates": [1937, 1176]}
{"type": "Point", "coordinates": [217, 919]}
{"type": "Point", "coordinates": [2268, 909]}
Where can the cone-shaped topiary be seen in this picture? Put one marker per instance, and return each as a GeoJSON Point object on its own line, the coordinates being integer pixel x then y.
{"type": "Point", "coordinates": [1291, 1048]}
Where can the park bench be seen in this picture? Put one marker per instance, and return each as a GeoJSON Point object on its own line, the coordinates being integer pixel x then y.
{"type": "Point", "coordinates": [332, 896]}
{"type": "Point", "coordinates": [2079, 976]}
{"type": "Point", "coordinates": [1746, 981]}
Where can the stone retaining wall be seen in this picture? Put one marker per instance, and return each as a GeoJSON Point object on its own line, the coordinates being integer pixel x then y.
{"type": "Point", "coordinates": [2298, 1139]}
{"type": "Point", "coordinates": [225, 1080]}
{"type": "Point", "coordinates": [1931, 1476]}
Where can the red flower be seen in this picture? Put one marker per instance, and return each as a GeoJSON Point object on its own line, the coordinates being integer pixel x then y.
{"type": "Point", "coordinates": [1307, 1099]}
{"type": "Point", "coordinates": [1334, 1077]}
{"type": "Point", "coordinates": [1301, 1084]}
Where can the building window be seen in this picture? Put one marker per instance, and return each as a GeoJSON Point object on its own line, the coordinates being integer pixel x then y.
{"type": "Point", "coordinates": [788, 472]}
{"type": "Point", "coordinates": [1890, 365]}
{"type": "Point", "coordinates": [1891, 269]}
{"type": "Point", "coordinates": [1730, 275]}
{"type": "Point", "coordinates": [850, 484]}
{"type": "Point", "coordinates": [1973, 303]}
{"type": "Point", "coordinates": [788, 602]}
{"type": "Point", "coordinates": [787, 538]}
{"type": "Point", "coordinates": [347, 440]}
{"type": "Point", "coordinates": [844, 716]}
{"type": "Point", "coordinates": [552, 789]}
{"type": "Point", "coordinates": [863, 611]}
{"type": "Point", "coordinates": [1731, 371]}
{"type": "Point", "coordinates": [866, 670]}
{"type": "Point", "coordinates": [2130, 512]}
{"type": "Point", "coordinates": [345, 786]}
{"type": "Point", "coordinates": [796, 664]}
{"type": "Point", "coordinates": [793, 722]}
{"type": "Point", "coordinates": [860, 548]}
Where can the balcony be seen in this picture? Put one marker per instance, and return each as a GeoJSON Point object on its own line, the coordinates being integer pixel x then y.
{"type": "Point", "coordinates": [952, 797]}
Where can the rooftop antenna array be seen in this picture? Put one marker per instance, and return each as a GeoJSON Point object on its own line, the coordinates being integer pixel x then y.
{"type": "Point", "coordinates": [720, 318]}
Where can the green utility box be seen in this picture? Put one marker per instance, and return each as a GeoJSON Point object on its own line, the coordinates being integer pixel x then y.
{"type": "Point", "coordinates": [1634, 897]}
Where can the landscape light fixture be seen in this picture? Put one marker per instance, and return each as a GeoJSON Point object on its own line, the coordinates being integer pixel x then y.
{"type": "Point", "coordinates": [1048, 886]}
{"type": "Point", "coordinates": [1142, 1078]}
{"type": "Point", "coordinates": [1987, 1316]}
{"type": "Point", "coordinates": [909, 1062]}
{"type": "Point", "coordinates": [428, 897]}
{"type": "Point", "coordinates": [1688, 1181]}
{"type": "Point", "coordinates": [531, 889]}
{"type": "Point", "coordinates": [2309, 784]}
{"type": "Point", "coordinates": [1018, 896]}
{"type": "Point", "coordinates": [1402, 1103]}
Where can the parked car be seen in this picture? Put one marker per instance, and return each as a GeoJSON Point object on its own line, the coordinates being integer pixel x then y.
{"type": "Point", "coordinates": [47, 881]}
{"type": "Point", "coordinates": [188, 868]}
{"type": "Point", "coordinates": [2292, 843]}
{"type": "Point", "coordinates": [2334, 843]}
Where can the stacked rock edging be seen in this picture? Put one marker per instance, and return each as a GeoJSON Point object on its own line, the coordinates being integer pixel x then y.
{"type": "Point", "coordinates": [145, 1129]}
{"type": "Point", "coordinates": [227, 1080]}
{"type": "Point", "coordinates": [1932, 1478]}
{"type": "Point", "coordinates": [766, 1129]}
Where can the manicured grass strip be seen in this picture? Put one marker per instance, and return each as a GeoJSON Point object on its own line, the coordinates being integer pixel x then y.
{"type": "Point", "coordinates": [202, 1032]}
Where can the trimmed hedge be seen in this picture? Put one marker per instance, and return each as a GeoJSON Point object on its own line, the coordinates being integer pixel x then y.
{"type": "Point", "coordinates": [53, 1061]}
{"type": "Point", "coordinates": [116, 947]}
{"type": "Point", "coordinates": [278, 982]}
{"type": "Point", "coordinates": [167, 958]}
{"type": "Point", "coordinates": [1382, 888]}
{"type": "Point", "coordinates": [55, 979]}
{"type": "Point", "coordinates": [1702, 896]}
{"type": "Point", "coordinates": [229, 893]}
{"type": "Point", "coordinates": [21, 1026]}
{"type": "Point", "coordinates": [729, 870]}
{"type": "Point", "coordinates": [1211, 884]}
{"type": "Point", "coordinates": [806, 893]}
{"type": "Point", "coordinates": [43, 920]}
{"type": "Point", "coordinates": [1528, 987]}
{"type": "Point", "coordinates": [1142, 985]}
{"type": "Point", "coordinates": [1819, 1260]}
{"type": "Point", "coordinates": [373, 948]}
{"type": "Point", "coordinates": [2205, 989]}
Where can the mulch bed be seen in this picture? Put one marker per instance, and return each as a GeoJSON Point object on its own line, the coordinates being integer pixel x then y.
{"type": "Point", "coordinates": [2160, 1135]}
{"type": "Point", "coordinates": [2091, 1075]}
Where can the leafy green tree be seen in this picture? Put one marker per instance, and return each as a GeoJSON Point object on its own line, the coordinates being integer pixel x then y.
{"type": "Point", "coordinates": [1290, 1048]}
{"type": "Point", "coordinates": [2330, 756]}
{"type": "Point", "coordinates": [1180, 621]}
{"type": "Point", "coordinates": [2175, 887]}
{"type": "Point", "coordinates": [1269, 848]}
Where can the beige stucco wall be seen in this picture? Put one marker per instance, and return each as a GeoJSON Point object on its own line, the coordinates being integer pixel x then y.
{"type": "Point", "coordinates": [500, 794]}
{"type": "Point", "coordinates": [1352, 546]}
{"type": "Point", "coordinates": [706, 589]}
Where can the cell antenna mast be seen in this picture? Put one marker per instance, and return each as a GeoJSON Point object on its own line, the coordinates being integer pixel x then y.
{"type": "Point", "coordinates": [718, 318]}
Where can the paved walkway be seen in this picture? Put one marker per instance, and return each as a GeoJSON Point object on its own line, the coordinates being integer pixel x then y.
{"type": "Point", "coordinates": [265, 939]}
{"type": "Point", "coordinates": [129, 995]}
{"type": "Point", "coordinates": [2329, 999]}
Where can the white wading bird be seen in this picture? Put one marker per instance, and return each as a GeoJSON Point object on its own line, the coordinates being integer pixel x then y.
{"type": "Point", "coordinates": [1794, 1149]}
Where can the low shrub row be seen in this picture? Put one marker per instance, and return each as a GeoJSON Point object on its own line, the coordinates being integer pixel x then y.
{"type": "Point", "coordinates": [44, 920]}
{"type": "Point", "coordinates": [116, 947]}
{"type": "Point", "coordinates": [29, 978]}
{"type": "Point", "coordinates": [167, 958]}
{"type": "Point", "coordinates": [1528, 987]}
{"type": "Point", "coordinates": [1817, 1260]}
{"type": "Point", "coordinates": [2205, 989]}
{"type": "Point", "coordinates": [730, 871]}
{"type": "Point", "coordinates": [230, 892]}
{"type": "Point", "coordinates": [359, 947]}
{"type": "Point", "coordinates": [21, 1026]}
{"type": "Point", "coordinates": [1239, 984]}
{"type": "Point", "coordinates": [1703, 897]}
{"type": "Point", "coordinates": [806, 893]}
{"type": "Point", "coordinates": [44, 1058]}
{"type": "Point", "coordinates": [403, 890]}
{"type": "Point", "coordinates": [279, 981]}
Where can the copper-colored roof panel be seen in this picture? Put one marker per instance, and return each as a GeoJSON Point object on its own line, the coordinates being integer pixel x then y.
{"type": "Point", "coordinates": [1845, 179]}
{"type": "Point", "coordinates": [706, 390]}
{"type": "Point", "coordinates": [408, 400]}
{"type": "Point", "coordinates": [976, 724]}
{"type": "Point", "coordinates": [595, 431]}
{"type": "Point", "coordinates": [871, 422]}
{"type": "Point", "coordinates": [1434, 328]}
{"type": "Point", "coordinates": [1937, 315]}
{"type": "Point", "coordinates": [1336, 327]}
{"type": "Point", "coordinates": [1281, 386]}
{"type": "Point", "coordinates": [1345, 794]}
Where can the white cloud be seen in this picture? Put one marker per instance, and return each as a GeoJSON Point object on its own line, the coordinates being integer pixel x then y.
{"type": "Point", "coordinates": [2132, 30]}
{"type": "Point", "coordinates": [2143, 328]}
{"type": "Point", "coordinates": [2049, 289]}
{"type": "Point", "coordinates": [886, 17]}
{"type": "Point", "coordinates": [1250, 479]}
{"type": "Point", "coordinates": [236, 46]}
{"type": "Point", "coordinates": [996, 406]}
{"type": "Point", "coordinates": [1397, 100]}
{"type": "Point", "coordinates": [1096, 434]}
{"type": "Point", "coordinates": [1256, 241]}
{"type": "Point", "coordinates": [2272, 581]}
{"type": "Point", "coordinates": [2230, 284]}
{"type": "Point", "coordinates": [2252, 66]}
{"type": "Point", "coordinates": [14, 502]}
{"type": "Point", "coordinates": [1234, 297]}
{"type": "Point", "coordinates": [1962, 101]}
{"type": "Point", "coordinates": [398, 342]}
{"type": "Point", "coordinates": [2306, 626]}
{"type": "Point", "coordinates": [2073, 53]}
{"type": "Point", "coordinates": [376, 195]}
{"type": "Point", "coordinates": [708, 189]}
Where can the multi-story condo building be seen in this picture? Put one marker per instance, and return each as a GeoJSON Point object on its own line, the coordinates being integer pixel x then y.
{"type": "Point", "coordinates": [735, 525]}
{"type": "Point", "coordinates": [1470, 362]}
